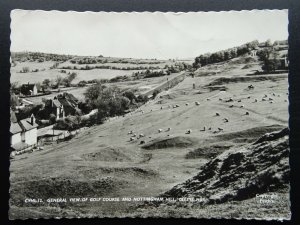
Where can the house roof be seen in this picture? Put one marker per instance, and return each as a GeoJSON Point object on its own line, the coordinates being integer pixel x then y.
{"type": "Point", "coordinates": [15, 128]}
{"type": "Point", "coordinates": [56, 103]}
{"type": "Point", "coordinates": [65, 102]}
{"type": "Point", "coordinates": [28, 86]}
{"type": "Point", "coordinates": [13, 117]}
{"type": "Point", "coordinates": [26, 124]}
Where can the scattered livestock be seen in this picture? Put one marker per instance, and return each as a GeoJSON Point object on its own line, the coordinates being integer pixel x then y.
{"type": "Point", "coordinates": [217, 114]}
{"type": "Point", "coordinates": [197, 103]}
{"type": "Point", "coordinates": [242, 106]}
{"type": "Point", "coordinates": [169, 128]}
{"type": "Point", "coordinates": [130, 132]}
{"type": "Point", "coordinates": [271, 102]}
{"type": "Point", "coordinates": [255, 100]}
{"type": "Point", "coordinates": [229, 100]}
{"type": "Point", "coordinates": [220, 129]}
{"type": "Point", "coordinates": [249, 97]}
{"type": "Point", "coordinates": [207, 99]}
{"type": "Point", "coordinates": [160, 130]}
{"type": "Point", "coordinates": [220, 99]}
{"type": "Point", "coordinates": [231, 106]}
{"type": "Point", "coordinates": [204, 128]}
{"type": "Point", "coordinates": [186, 104]}
{"type": "Point", "coordinates": [141, 135]}
{"type": "Point", "coordinates": [188, 131]}
{"type": "Point", "coordinates": [263, 99]}
{"type": "Point", "coordinates": [270, 99]}
{"type": "Point", "coordinates": [247, 113]}
{"type": "Point", "coordinates": [250, 86]}
{"type": "Point", "coordinates": [142, 142]}
{"type": "Point", "coordinates": [226, 120]}
{"type": "Point", "coordinates": [132, 139]}
{"type": "Point", "coordinates": [239, 100]}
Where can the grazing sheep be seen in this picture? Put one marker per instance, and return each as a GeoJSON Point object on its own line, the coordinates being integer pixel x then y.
{"type": "Point", "coordinates": [209, 128]}
{"type": "Point", "coordinates": [263, 99]}
{"type": "Point", "coordinates": [247, 113]}
{"type": "Point", "coordinates": [188, 131]}
{"type": "Point", "coordinates": [242, 106]}
{"type": "Point", "coordinates": [220, 99]}
{"type": "Point", "coordinates": [220, 129]}
{"type": "Point", "coordinates": [132, 139]}
{"type": "Point", "coordinates": [130, 132]}
{"type": "Point", "coordinates": [217, 114]}
{"type": "Point", "coordinates": [160, 130]}
{"type": "Point", "coordinates": [134, 135]}
{"type": "Point", "coordinates": [141, 135]}
{"type": "Point", "coordinates": [285, 100]}
{"type": "Point", "coordinates": [197, 103]}
{"type": "Point", "coordinates": [169, 128]}
{"type": "Point", "coordinates": [231, 106]}
{"type": "Point", "coordinates": [226, 120]}
{"type": "Point", "coordinates": [240, 100]}
{"type": "Point", "coordinates": [255, 100]}
{"type": "Point", "coordinates": [214, 132]}
{"type": "Point", "coordinates": [249, 97]}
{"type": "Point", "coordinates": [207, 99]}
{"type": "Point", "coordinates": [203, 129]}
{"type": "Point", "coordinates": [273, 94]}
{"type": "Point", "coordinates": [250, 86]}
{"type": "Point", "coordinates": [186, 104]}
{"type": "Point", "coordinates": [161, 107]}
{"type": "Point", "coordinates": [270, 99]}
{"type": "Point", "coordinates": [142, 142]}
{"type": "Point", "coordinates": [230, 100]}
{"type": "Point", "coordinates": [265, 96]}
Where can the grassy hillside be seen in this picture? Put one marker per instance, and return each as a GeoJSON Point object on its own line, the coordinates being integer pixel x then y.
{"type": "Point", "coordinates": [219, 130]}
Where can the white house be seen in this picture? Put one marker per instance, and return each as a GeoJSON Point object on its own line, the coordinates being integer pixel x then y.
{"type": "Point", "coordinates": [29, 128]}
{"type": "Point", "coordinates": [23, 133]}
{"type": "Point", "coordinates": [15, 132]}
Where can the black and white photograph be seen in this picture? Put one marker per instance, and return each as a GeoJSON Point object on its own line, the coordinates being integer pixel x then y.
{"type": "Point", "coordinates": [149, 115]}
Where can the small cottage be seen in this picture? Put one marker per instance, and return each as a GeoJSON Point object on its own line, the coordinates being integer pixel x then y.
{"type": "Point", "coordinates": [29, 89]}
{"type": "Point", "coordinates": [23, 132]}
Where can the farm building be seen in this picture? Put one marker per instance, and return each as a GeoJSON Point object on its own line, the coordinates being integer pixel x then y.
{"type": "Point", "coordinates": [23, 132]}
{"type": "Point", "coordinates": [62, 105]}
{"type": "Point", "coordinates": [29, 89]}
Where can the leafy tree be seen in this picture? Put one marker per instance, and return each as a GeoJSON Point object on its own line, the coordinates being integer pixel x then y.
{"type": "Point", "coordinates": [46, 83]}
{"type": "Point", "coordinates": [93, 92]}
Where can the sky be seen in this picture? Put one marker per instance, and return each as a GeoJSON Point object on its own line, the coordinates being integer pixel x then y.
{"type": "Point", "coordinates": [142, 35]}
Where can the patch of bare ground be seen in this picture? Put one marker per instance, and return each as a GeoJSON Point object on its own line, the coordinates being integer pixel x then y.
{"type": "Point", "coordinates": [244, 79]}
{"type": "Point", "coordinates": [207, 152]}
{"type": "Point", "coordinates": [248, 135]}
{"type": "Point", "coordinates": [172, 142]}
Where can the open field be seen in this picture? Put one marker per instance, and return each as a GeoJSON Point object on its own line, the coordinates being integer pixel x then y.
{"type": "Point", "coordinates": [45, 72]}
{"type": "Point", "coordinates": [103, 162]}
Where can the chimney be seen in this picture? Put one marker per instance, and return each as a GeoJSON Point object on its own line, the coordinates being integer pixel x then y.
{"type": "Point", "coordinates": [32, 119]}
